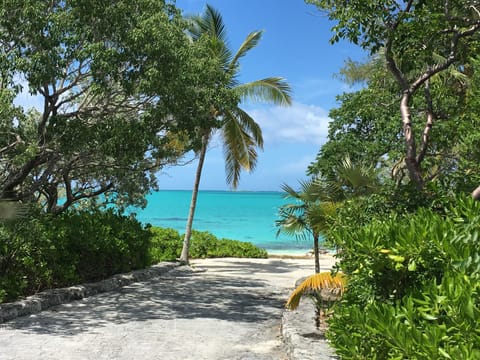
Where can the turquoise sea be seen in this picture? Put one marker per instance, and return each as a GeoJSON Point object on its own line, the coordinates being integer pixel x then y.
{"type": "Point", "coordinates": [244, 216]}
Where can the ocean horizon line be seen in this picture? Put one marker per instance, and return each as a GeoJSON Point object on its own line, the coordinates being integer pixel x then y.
{"type": "Point", "coordinates": [249, 216]}
{"type": "Point", "coordinates": [223, 190]}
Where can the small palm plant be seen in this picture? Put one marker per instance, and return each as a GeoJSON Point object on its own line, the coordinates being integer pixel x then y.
{"type": "Point", "coordinates": [324, 288]}
{"type": "Point", "coordinates": [306, 216]}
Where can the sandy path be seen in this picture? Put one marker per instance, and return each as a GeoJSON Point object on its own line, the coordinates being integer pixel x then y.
{"type": "Point", "coordinates": [218, 309]}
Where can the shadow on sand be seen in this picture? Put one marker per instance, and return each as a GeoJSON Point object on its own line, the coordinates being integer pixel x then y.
{"type": "Point", "coordinates": [183, 293]}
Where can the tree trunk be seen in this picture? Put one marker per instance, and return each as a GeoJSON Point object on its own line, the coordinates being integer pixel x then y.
{"type": "Point", "coordinates": [193, 203]}
{"type": "Point", "coordinates": [413, 166]}
{"type": "Point", "coordinates": [317, 255]}
{"type": "Point", "coordinates": [476, 193]}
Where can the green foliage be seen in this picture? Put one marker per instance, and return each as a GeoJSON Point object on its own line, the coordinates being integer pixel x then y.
{"type": "Point", "coordinates": [40, 251]}
{"type": "Point", "coordinates": [205, 245]}
{"type": "Point", "coordinates": [109, 78]}
{"type": "Point", "coordinates": [167, 245]}
{"type": "Point", "coordinates": [364, 127]}
{"type": "Point", "coordinates": [421, 65]}
{"type": "Point", "coordinates": [414, 289]}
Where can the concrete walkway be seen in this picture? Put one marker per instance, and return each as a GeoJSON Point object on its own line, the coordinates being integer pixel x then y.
{"type": "Point", "coordinates": [218, 309]}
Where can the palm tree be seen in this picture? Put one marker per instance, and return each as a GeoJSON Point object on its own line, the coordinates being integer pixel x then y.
{"type": "Point", "coordinates": [307, 215]}
{"type": "Point", "coordinates": [316, 204]}
{"type": "Point", "coordinates": [240, 134]}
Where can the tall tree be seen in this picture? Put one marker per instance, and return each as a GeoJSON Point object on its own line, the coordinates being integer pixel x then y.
{"type": "Point", "coordinates": [117, 81]}
{"type": "Point", "coordinates": [420, 39]}
{"type": "Point", "coordinates": [240, 134]}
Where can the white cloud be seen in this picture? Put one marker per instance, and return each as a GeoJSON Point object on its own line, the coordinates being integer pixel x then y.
{"type": "Point", "coordinates": [307, 124]}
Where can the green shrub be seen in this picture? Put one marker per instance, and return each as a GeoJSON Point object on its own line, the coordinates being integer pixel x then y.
{"type": "Point", "coordinates": [386, 260]}
{"type": "Point", "coordinates": [167, 245]}
{"type": "Point", "coordinates": [24, 248]}
{"type": "Point", "coordinates": [413, 289]}
{"type": "Point", "coordinates": [99, 243]}
{"type": "Point", "coordinates": [205, 245]}
{"type": "Point", "coordinates": [41, 251]}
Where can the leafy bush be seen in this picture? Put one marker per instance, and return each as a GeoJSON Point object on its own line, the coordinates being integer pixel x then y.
{"type": "Point", "coordinates": [23, 250]}
{"type": "Point", "coordinates": [167, 245]}
{"type": "Point", "coordinates": [99, 243]}
{"type": "Point", "coordinates": [413, 289]}
{"type": "Point", "coordinates": [41, 251]}
{"type": "Point", "coordinates": [205, 245]}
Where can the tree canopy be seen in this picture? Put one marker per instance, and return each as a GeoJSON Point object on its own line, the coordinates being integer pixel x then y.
{"type": "Point", "coordinates": [121, 88]}
{"type": "Point", "coordinates": [411, 115]}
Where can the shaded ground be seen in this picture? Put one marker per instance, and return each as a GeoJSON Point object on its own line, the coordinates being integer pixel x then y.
{"type": "Point", "coordinates": [219, 309]}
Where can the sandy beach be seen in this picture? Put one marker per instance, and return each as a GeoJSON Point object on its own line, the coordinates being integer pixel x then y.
{"type": "Point", "coordinates": [216, 309]}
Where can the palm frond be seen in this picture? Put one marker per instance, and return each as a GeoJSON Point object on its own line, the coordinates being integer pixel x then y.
{"type": "Point", "coordinates": [248, 44]}
{"type": "Point", "coordinates": [211, 23]}
{"type": "Point", "coordinates": [358, 177]}
{"type": "Point", "coordinates": [308, 214]}
{"type": "Point", "coordinates": [321, 215]}
{"type": "Point", "coordinates": [10, 210]}
{"type": "Point", "coordinates": [289, 192]}
{"type": "Point", "coordinates": [239, 149]}
{"type": "Point", "coordinates": [327, 189]}
{"type": "Point", "coordinates": [291, 209]}
{"type": "Point", "coordinates": [249, 125]}
{"type": "Point", "coordinates": [293, 225]}
{"type": "Point", "coordinates": [273, 90]}
{"type": "Point", "coordinates": [317, 283]}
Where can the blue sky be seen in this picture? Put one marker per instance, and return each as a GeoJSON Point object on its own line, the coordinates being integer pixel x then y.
{"type": "Point", "coordinates": [295, 45]}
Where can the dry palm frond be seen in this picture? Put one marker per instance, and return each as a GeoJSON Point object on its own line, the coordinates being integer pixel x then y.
{"type": "Point", "coordinates": [317, 283]}
{"type": "Point", "coordinates": [10, 210]}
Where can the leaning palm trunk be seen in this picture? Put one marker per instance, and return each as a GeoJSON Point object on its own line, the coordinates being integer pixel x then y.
{"type": "Point", "coordinates": [193, 202]}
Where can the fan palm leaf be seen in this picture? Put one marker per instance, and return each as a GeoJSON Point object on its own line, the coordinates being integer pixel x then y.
{"type": "Point", "coordinates": [316, 283]}
{"type": "Point", "coordinates": [292, 225]}
{"type": "Point", "coordinates": [360, 179]}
